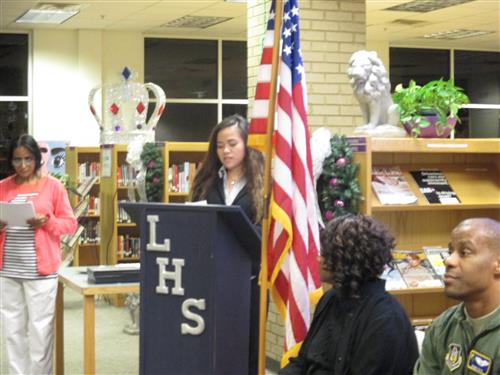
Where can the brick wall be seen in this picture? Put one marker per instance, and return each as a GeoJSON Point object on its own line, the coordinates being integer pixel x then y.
{"type": "Point", "coordinates": [331, 31]}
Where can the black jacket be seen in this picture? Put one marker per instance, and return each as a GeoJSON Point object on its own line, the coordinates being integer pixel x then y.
{"type": "Point", "coordinates": [370, 335]}
{"type": "Point", "coordinates": [215, 195]}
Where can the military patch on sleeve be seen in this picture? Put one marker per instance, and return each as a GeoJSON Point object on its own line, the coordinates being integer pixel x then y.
{"type": "Point", "coordinates": [454, 357]}
{"type": "Point", "coordinates": [479, 363]}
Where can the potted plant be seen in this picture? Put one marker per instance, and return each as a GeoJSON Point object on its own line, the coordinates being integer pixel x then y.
{"type": "Point", "coordinates": [429, 110]}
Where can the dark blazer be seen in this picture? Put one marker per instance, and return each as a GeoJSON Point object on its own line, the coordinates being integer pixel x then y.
{"type": "Point", "coordinates": [216, 196]}
{"type": "Point", "coordinates": [367, 336]}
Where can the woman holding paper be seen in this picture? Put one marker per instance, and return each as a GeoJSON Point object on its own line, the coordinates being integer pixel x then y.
{"type": "Point", "coordinates": [29, 259]}
{"type": "Point", "coordinates": [232, 174]}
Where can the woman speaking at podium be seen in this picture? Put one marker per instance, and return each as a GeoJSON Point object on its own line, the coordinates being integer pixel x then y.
{"type": "Point", "coordinates": [232, 174]}
{"type": "Point", "coordinates": [29, 259]}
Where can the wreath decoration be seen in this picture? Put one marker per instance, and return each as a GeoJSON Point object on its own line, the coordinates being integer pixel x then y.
{"type": "Point", "coordinates": [152, 159]}
{"type": "Point", "coordinates": [337, 187]}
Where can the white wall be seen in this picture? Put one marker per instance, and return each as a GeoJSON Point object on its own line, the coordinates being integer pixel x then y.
{"type": "Point", "coordinates": [66, 65]}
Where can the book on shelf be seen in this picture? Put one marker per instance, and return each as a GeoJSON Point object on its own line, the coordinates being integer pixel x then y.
{"type": "Point", "coordinates": [70, 240]}
{"type": "Point", "coordinates": [436, 256]}
{"type": "Point", "coordinates": [390, 186]}
{"type": "Point", "coordinates": [435, 187]}
{"type": "Point", "coordinates": [417, 272]}
{"type": "Point", "coordinates": [181, 177]}
{"type": "Point", "coordinates": [85, 185]}
{"type": "Point", "coordinates": [81, 207]}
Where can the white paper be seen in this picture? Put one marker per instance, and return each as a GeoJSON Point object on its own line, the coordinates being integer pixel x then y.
{"type": "Point", "coordinates": [197, 203]}
{"type": "Point", "coordinates": [16, 214]}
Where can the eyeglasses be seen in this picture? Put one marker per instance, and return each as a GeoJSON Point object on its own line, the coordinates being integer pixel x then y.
{"type": "Point", "coordinates": [28, 161]}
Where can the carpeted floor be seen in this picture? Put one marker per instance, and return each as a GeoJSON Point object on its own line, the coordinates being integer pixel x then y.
{"type": "Point", "coordinates": [116, 352]}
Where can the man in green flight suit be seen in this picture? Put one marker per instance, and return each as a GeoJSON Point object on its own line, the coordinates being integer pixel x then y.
{"type": "Point", "coordinates": [465, 339]}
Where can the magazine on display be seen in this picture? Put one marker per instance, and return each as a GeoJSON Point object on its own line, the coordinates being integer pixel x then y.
{"type": "Point", "coordinates": [436, 256]}
{"type": "Point", "coordinates": [435, 187]}
{"type": "Point", "coordinates": [418, 273]}
{"type": "Point", "coordinates": [392, 277]}
{"type": "Point", "coordinates": [390, 186]}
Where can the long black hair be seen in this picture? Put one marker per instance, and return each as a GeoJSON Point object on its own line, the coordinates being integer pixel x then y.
{"type": "Point", "coordinates": [253, 166]}
{"type": "Point", "coordinates": [30, 144]}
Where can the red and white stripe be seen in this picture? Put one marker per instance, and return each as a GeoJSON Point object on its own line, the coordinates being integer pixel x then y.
{"type": "Point", "coordinates": [294, 233]}
{"type": "Point", "coordinates": [258, 124]}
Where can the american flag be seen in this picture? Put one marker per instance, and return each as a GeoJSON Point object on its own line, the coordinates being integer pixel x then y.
{"type": "Point", "coordinates": [294, 235]}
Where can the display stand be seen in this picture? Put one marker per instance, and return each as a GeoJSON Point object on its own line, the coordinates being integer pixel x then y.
{"type": "Point", "coordinates": [81, 163]}
{"type": "Point", "coordinates": [195, 287]}
{"type": "Point", "coordinates": [472, 168]}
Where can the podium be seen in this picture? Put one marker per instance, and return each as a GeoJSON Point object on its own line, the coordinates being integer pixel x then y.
{"type": "Point", "coordinates": [196, 265]}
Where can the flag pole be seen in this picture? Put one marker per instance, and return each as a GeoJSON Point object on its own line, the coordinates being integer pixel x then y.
{"type": "Point", "coordinates": [267, 185]}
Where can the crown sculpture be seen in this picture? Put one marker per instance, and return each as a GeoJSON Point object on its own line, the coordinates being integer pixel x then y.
{"type": "Point", "coordinates": [125, 110]}
{"type": "Point", "coordinates": [125, 122]}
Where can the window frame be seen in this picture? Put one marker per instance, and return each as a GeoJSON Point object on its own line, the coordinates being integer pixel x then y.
{"type": "Point", "coordinates": [219, 100]}
{"type": "Point", "coordinates": [28, 98]}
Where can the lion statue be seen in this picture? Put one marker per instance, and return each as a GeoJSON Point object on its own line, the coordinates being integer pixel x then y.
{"type": "Point", "coordinates": [372, 89]}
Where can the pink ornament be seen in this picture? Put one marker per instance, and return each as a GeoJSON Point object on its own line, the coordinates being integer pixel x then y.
{"type": "Point", "coordinates": [155, 180]}
{"type": "Point", "coordinates": [328, 215]}
{"type": "Point", "coordinates": [152, 164]}
{"type": "Point", "coordinates": [341, 162]}
{"type": "Point", "coordinates": [333, 182]}
{"type": "Point", "coordinates": [339, 203]}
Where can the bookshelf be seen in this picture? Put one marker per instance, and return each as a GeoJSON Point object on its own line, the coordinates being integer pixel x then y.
{"type": "Point", "coordinates": [472, 167]}
{"type": "Point", "coordinates": [82, 163]}
{"type": "Point", "coordinates": [117, 230]}
{"type": "Point", "coordinates": [176, 155]}
{"type": "Point", "coordinates": [116, 227]}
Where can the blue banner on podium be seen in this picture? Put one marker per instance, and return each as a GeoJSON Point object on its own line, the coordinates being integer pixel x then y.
{"type": "Point", "coordinates": [195, 288]}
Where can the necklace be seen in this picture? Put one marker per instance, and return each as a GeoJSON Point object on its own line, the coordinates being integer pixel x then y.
{"type": "Point", "coordinates": [233, 181]}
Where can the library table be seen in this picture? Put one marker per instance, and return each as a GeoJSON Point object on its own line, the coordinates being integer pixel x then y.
{"type": "Point", "coordinates": [76, 279]}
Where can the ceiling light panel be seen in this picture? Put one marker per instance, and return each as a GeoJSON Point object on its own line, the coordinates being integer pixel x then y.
{"type": "Point", "coordinates": [425, 6]}
{"type": "Point", "coordinates": [404, 21]}
{"type": "Point", "coordinates": [196, 22]}
{"type": "Point", "coordinates": [456, 34]}
{"type": "Point", "coordinates": [49, 13]}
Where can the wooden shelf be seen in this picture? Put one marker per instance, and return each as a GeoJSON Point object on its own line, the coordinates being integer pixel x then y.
{"type": "Point", "coordinates": [175, 194]}
{"type": "Point", "coordinates": [75, 156]}
{"type": "Point", "coordinates": [91, 216]}
{"type": "Point", "coordinates": [88, 244]}
{"type": "Point", "coordinates": [472, 168]}
{"type": "Point", "coordinates": [436, 145]}
{"type": "Point", "coordinates": [126, 225]}
{"type": "Point", "coordinates": [175, 153]}
{"type": "Point", "coordinates": [466, 180]}
{"type": "Point", "coordinates": [416, 291]}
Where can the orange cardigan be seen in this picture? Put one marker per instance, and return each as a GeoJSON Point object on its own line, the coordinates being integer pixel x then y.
{"type": "Point", "coordinates": [52, 200]}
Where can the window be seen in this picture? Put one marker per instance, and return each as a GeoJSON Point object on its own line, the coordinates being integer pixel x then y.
{"type": "Point", "coordinates": [14, 97]}
{"type": "Point", "coordinates": [204, 81]}
{"type": "Point", "coordinates": [421, 65]}
{"type": "Point", "coordinates": [477, 72]}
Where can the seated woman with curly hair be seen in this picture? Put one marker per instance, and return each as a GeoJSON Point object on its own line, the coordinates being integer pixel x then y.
{"type": "Point", "coordinates": [357, 327]}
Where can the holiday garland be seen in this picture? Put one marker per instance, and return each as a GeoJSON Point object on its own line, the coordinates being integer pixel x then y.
{"type": "Point", "coordinates": [337, 187]}
{"type": "Point", "coordinates": [152, 158]}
